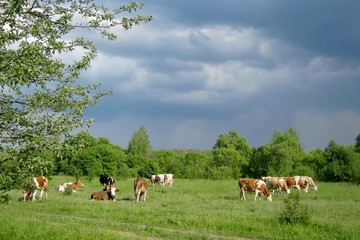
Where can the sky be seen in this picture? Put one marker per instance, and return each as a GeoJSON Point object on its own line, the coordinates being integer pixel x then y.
{"type": "Point", "coordinates": [203, 68]}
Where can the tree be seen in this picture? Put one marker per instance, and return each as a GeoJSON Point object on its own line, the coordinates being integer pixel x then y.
{"type": "Point", "coordinates": [231, 150]}
{"type": "Point", "coordinates": [41, 102]}
{"type": "Point", "coordinates": [342, 163]}
{"type": "Point", "coordinates": [140, 143]}
{"type": "Point", "coordinates": [357, 144]}
{"type": "Point", "coordinates": [195, 165]}
{"type": "Point", "coordinates": [286, 153]}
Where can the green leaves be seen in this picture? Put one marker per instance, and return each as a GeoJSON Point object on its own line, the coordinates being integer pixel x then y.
{"type": "Point", "coordinates": [41, 103]}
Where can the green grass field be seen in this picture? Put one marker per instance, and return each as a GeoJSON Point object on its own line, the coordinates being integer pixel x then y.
{"type": "Point", "coordinates": [191, 209]}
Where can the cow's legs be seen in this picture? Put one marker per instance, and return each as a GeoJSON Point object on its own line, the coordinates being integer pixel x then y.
{"type": "Point", "coordinates": [41, 193]}
{"type": "Point", "coordinates": [242, 194]}
{"type": "Point", "coordinates": [256, 193]}
{"type": "Point", "coordinates": [137, 196]}
{"type": "Point", "coordinates": [34, 194]}
{"type": "Point", "coordinates": [144, 196]}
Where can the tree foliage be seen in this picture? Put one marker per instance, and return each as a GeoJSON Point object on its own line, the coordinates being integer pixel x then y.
{"type": "Point", "coordinates": [140, 143]}
{"type": "Point", "coordinates": [232, 151]}
{"type": "Point", "coordinates": [41, 101]}
{"type": "Point", "coordinates": [280, 157]}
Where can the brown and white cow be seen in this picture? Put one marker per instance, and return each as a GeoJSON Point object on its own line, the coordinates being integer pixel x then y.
{"type": "Point", "coordinates": [296, 182]}
{"type": "Point", "coordinates": [37, 183]}
{"type": "Point", "coordinates": [161, 179]}
{"type": "Point", "coordinates": [105, 195]}
{"type": "Point", "coordinates": [276, 183]}
{"type": "Point", "coordinates": [308, 182]}
{"type": "Point", "coordinates": [74, 186]}
{"type": "Point", "coordinates": [140, 188]}
{"type": "Point", "coordinates": [168, 179]}
{"type": "Point", "coordinates": [253, 185]}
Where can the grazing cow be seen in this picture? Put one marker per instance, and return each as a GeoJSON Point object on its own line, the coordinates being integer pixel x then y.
{"type": "Point", "coordinates": [253, 185]}
{"type": "Point", "coordinates": [305, 182]}
{"type": "Point", "coordinates": [302, 183]}
{"type": "Point", "coordinates": [140, 188]}
{"type": "Point", "coordinates": [169, 179]}
{"type": "Point", "coordinates": [37, 183]}
{"type": "Point", "coordinates": [104, 195]}
{"type": "Point", "coordinates": [104, 179]}
{"type": "Point", "coordinates": [276, 183]}
{"type": "Point", "coordinates": [310, 182]}
{"type": "Point", "coordinates": [161, 179]}
{"type": "Point", "coordinates": [151, 178]}
{"type": "Point", "coordinates": [296, 182]}
{"type": "Point", "coordinates": [74, 186]}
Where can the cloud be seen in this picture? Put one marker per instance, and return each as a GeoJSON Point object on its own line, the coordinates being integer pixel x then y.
{"type": "Point", "coordinates": [319, 128]}
{"type": "Point", "coordinates": [253, 67]}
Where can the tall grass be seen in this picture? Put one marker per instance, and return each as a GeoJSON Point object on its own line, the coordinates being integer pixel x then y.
{"type": "Point", "coordinates": [191, 209]}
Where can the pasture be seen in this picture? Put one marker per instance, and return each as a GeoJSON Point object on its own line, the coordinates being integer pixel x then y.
{"type": "Point", "coordinates": [191, 209]}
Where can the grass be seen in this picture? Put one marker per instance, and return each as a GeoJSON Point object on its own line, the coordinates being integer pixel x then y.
{"type": "Point", "coordinates": [191, 209]}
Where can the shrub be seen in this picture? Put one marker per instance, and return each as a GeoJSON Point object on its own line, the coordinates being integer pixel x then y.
{"type": "Point", "coordinates": [293, 212]}
{"type": "Point", "coordinates": [68, 190]}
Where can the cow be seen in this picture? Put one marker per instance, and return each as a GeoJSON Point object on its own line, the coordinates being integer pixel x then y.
{"type": "Point", "coordinates": [310, 182]}
{"type": "Point", "coordinates": [104, 179]}
{"type": "Point", "coordinates": [253, 185]}
{"type": "Point", "coordinates": [305, 182]}
{"type": "Point", "coordinates": [37, 183]}
{"type": "Point", "coordinates": [140, 188]}
{"type": "Point", "coordinates": [74, 186]}
{"type": "Point", "coordinates": [161, 179]}
{"type": "Point", "coordinates": [169, 179]}
{"type": "Point", "coordinates": [276, 183]}
{"type": "Point", "coordinates": [296, 182]}
{"type": "Point", "coordinates": [105, 195]}
{"type": "Point", "coordinates": [151, 178]}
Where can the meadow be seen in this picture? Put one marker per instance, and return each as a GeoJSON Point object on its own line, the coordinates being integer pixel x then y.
{"type": "Point", "coordinates": [191, 209]}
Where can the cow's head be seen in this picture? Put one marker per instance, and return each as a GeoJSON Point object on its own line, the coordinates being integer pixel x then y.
{"type": "Point", "coordinates": [78, 184]}
{"type": "Point", "coordinates": [27, 194]}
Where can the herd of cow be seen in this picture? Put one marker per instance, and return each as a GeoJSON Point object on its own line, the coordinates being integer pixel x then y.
{"type": "Point", "coordinates": [263, 186]}
{"type": "Point", "coordinates": [278, 184]}
{"type": "Point", "coordinates": [108, 193]}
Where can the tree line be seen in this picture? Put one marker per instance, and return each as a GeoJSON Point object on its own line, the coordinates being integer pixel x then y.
{"type": "Point", "coordinates": [230, 158]}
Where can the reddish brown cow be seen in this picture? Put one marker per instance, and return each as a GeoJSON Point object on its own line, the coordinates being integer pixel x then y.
{"type": "Point", "coordinates": [253, 185]}
{"type": "Point", "coordinates": [292, 182]}
{"type": "Point", "coordinates": [140, 188]}
{"type": "Point", "coordinates": [104, 195]}
{"type": "Point", "coordinates": [37, 183]}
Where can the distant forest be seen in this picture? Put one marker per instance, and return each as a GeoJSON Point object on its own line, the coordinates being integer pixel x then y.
{"type": "Point", "coordinates": [230, 158]}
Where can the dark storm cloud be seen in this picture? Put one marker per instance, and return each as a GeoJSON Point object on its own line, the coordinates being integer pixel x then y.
{"type": "Point", "coordinates": [201, 68]}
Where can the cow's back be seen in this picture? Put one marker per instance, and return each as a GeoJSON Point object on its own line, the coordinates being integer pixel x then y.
{"type": "Point", "coordinates": [247, 184]}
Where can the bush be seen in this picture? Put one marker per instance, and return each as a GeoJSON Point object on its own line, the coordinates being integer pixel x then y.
{"type": "Point", "coordinates": [293, 212]}
{"type": "Point", "coordinates": [68, 190]}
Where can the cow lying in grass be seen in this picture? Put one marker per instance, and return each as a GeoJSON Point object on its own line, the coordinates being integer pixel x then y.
{"type": "Point", "coordinates": [73, 185]}
{"type": "Point", "coordinates": [104, 195]}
